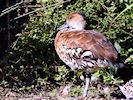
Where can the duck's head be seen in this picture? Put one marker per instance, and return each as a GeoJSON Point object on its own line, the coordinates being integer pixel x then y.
{"type": "Point", "coordinates": [75, 21]}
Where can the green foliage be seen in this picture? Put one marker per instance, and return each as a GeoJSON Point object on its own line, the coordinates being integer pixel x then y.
{"type": "Point", "coordinates": [108, 77]}
{"type": "Point", "coordinates": [32, 61]}
{"type": "Point", "coordinates": [76, 91]}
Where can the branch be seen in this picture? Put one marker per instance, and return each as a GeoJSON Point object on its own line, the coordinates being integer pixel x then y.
{"type": "Point", "coordinates": [11, 8]}
{"type": "Point", "coordinates": [43, 8]}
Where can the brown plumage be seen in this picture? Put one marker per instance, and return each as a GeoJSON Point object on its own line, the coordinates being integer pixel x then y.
{"type": "Point", "coordinates": [87, 40]}
{"type": "Point", "coordinates": [83, 49]}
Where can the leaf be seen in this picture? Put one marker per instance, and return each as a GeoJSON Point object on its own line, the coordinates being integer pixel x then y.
{"type": "Point", "coordinates": [129, 59]}
{"type": "Point", "coordinates": [117, 46]}
{"type": "Point", "coordinates": [97, 74]}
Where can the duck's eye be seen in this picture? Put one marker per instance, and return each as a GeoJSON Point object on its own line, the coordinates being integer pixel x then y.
{"type": "Point", "coordinates": [70, 17]}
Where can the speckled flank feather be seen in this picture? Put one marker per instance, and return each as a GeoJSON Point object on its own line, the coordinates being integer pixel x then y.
{"type": "Point", "coordinates": [85, 49]}
{"type": "Point", "coordinates": [127, 90]}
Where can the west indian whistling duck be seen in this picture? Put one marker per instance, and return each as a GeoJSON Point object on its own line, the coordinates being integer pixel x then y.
{"type": "Point", "coordinates": [82, 49]}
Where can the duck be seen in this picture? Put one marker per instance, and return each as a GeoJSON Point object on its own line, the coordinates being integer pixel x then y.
{"type": "Point", "coordinates": [84, 50]}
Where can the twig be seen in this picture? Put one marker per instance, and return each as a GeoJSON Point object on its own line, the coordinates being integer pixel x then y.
{"type": "Point", "coordinates": [7, 11]}
{"type": "Point", "coordinates": [33, 6]}
{"type": "Point", "coordinates": [10, 8]}
{"type": "Point", "coordinates": [39, 9]}
{"type": "Point", "coordinates": [15, 43]}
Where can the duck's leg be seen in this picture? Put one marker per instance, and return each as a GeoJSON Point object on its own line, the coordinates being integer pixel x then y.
{"type": "Point", "coordinates": [87, 84]}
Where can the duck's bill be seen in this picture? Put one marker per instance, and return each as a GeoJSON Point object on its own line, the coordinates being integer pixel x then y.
{"type": "Point", "coordinates": [64, 26]}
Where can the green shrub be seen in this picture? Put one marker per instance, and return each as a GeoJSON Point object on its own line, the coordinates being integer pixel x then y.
{"type": "Point", "coordinates": [32, 61]}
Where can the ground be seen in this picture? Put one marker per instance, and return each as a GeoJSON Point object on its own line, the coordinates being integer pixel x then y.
{"type": "Point", "coordinates": [99, 92]}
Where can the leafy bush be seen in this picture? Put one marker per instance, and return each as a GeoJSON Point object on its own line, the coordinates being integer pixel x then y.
{"type": "Point", "coordinates": [32, 61]}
